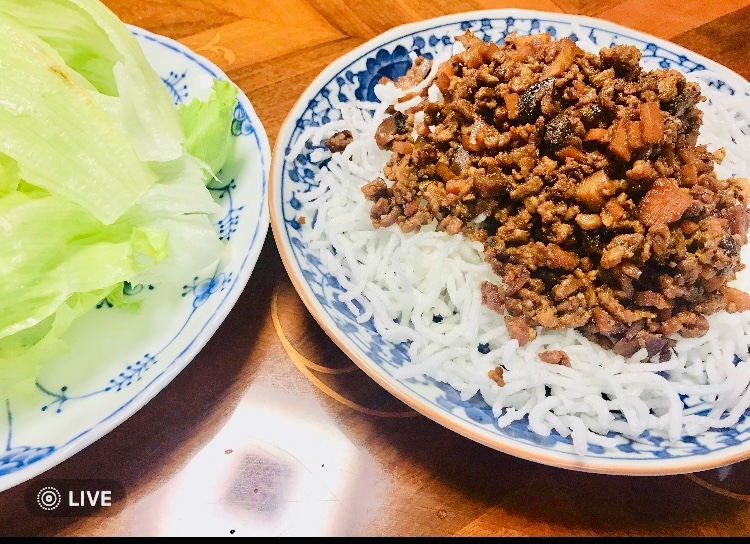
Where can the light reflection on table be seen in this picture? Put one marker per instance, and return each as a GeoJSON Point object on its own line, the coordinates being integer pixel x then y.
{"type": "Point", "coordinates": [279, 466]}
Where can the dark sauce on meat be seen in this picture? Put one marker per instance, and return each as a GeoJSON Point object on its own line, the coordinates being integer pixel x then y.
{"type": "Point", "coordinates": [581, 176]}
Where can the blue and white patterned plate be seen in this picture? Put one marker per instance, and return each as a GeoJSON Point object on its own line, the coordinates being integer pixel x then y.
{"type": "Point", "coordinates": [134, 355]}
{"type": "Point", "coordinates": [355, 75]}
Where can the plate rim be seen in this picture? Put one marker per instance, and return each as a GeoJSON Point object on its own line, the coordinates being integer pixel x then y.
{"type": "Point", "coordinates": [208, 328]}
{"type": "Point", "coordinates": [621, 467]}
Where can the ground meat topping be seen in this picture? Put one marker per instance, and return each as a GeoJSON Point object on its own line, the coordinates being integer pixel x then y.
{"type": "Point", "coordinates": [581, 175]}
{"type": "Point", "coordinates": [496, 375]}
{"type": "Point", "coordinates": [338, 142]}
{"type": "Point", "coordinates": [555, 357]}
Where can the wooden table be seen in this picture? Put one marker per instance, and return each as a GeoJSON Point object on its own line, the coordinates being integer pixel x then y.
{"type": "Point", "coordinates": [271, 430]}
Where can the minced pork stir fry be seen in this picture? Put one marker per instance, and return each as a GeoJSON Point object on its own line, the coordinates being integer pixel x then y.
{"type": "Point", "coordinates": [581, 176]}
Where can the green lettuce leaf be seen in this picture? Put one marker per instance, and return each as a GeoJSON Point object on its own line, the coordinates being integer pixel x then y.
{"type": "Point", "coordinates": [51, 249]}
{"type": "Point", "coordinates": [72, 32]}
{"type": "Point", "coordinates": [205, 124]}
{"type": "Point", "coordinates": [104, 52]}
{"type": "Point", "coordinates": [102, 179]}
{"type": "Point", "coordinates": [62, 140]}
{"type": "Point", "coordinates": [148, 112]}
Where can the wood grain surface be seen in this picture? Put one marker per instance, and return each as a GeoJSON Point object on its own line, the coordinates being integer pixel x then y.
{"type": "Point", "coordinates": [271, 430]}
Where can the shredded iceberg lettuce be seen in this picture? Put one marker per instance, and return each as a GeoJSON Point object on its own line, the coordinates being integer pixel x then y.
{"type": "Point", "coordinates": [102, 177]}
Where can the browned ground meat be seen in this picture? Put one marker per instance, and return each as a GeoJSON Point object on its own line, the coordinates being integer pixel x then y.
{"type": "Point", "coordinates": [496, 375]}
{"type": "Point", "coordinates": [555, 357]}
{"type": "Point", "coordinates": [339, 141]}
{"type": "Point", "coordinates": [581, 175]}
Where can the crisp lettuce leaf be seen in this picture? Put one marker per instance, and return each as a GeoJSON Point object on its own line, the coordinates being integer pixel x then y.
{"type": "Point", "coordinates": [9, 176]}
{"type": "Point", "coordinates": [101, 49]}
{"type": "Point", "coordinates": [205, 125]}
{"type": "Point", "coordinates": [51, 249]}
{"type": "Point", "coordinates": [62, 140]}
{"type": "Point", "coordinates": [72, 32]}
{"type": "Point", "coordinates": [102, 180]}
{"type": "Point", "coordinates": [150, 116]}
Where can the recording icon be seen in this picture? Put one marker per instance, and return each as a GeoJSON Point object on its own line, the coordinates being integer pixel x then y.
{"type": "Point", "coordinates": [48, 498]}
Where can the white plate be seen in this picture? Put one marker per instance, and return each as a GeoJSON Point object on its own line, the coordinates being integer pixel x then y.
{"type": "Point", "coordinates": [135, 355]}
{"type": "Point", "coordinates": [355, 75]}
